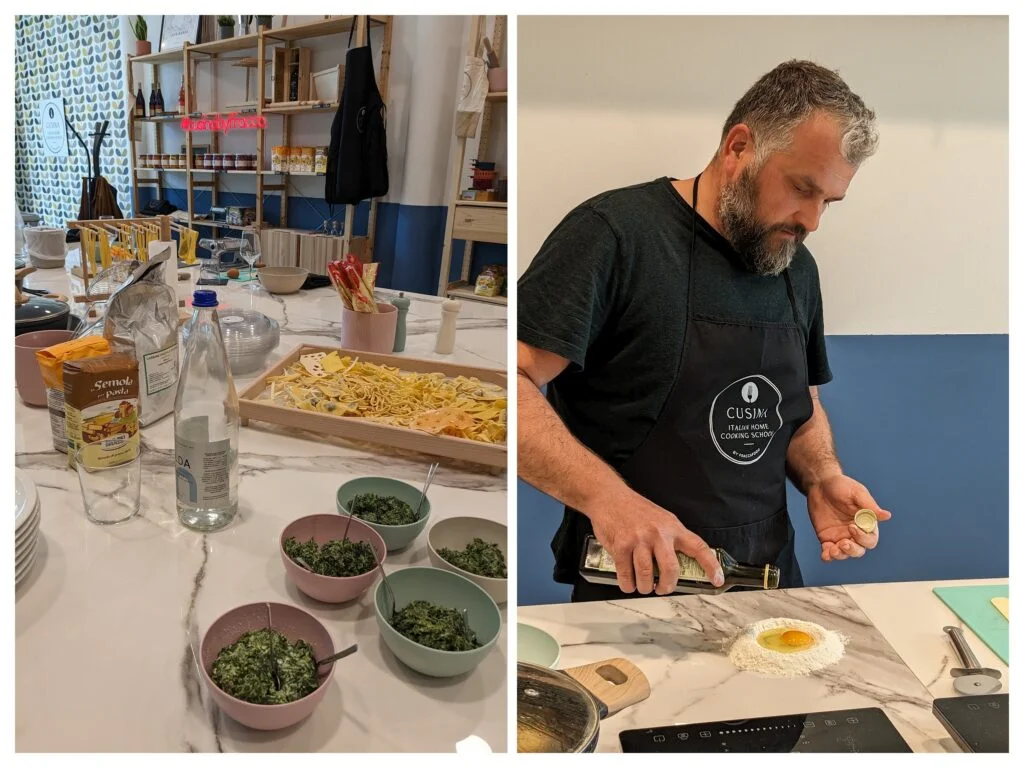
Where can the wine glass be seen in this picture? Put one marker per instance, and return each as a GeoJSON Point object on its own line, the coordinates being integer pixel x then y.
{"type": "Point", "coordinates": [250, 249]}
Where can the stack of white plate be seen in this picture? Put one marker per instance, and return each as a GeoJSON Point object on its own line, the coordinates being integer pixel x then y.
{"type": "Point", "coordinates": [26, 525]}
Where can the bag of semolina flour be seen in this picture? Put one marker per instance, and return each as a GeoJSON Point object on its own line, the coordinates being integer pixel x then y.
{"type": "Point", "coordinates": [142, 321]}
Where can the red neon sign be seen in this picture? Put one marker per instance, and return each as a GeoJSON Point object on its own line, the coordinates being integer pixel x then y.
{"type": "Point", "coordinates": [232, 122]}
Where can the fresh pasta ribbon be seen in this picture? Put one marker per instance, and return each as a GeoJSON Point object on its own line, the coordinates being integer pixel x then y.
{"type": "Point", "coordinates": [430, 402]}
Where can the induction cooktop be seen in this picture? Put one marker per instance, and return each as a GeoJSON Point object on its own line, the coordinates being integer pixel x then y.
{"type": "Point", "coordinates": [976, 723]}
{"type": "Point", "coordinates": [846, 730]}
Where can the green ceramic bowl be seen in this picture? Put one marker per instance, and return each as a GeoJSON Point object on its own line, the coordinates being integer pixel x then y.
{"type": "Point", "coordinates": [441, 588]}
{"type": "Point", "coordinates": [535, 646]}
{"type": "Point", "coordinates": [395, 536]}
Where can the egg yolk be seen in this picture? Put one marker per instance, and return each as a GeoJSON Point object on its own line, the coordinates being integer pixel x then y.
{"type": "Point", "coordinates": [786, 640]}
{"type": "Point", "coordinates": [796, 639]}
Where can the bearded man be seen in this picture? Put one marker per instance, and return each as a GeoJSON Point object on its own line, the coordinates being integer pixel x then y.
{"type": "Point", "coordinates": [679, 330]}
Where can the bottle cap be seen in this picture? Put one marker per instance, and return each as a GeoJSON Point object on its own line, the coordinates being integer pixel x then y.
{"type": "Point", "coordinates": [866, 520]}
{"type": "Point", "coordinates": [204, 299]}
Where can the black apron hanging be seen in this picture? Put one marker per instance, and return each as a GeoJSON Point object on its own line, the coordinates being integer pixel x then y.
{"type": "Point", "coordinates": [357, 158]}
{"type": "Point", "coordinates": [716, 457]}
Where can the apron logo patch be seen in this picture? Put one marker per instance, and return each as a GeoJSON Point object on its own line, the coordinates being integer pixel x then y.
{"type": "Point", "coordinates": [744, 418]}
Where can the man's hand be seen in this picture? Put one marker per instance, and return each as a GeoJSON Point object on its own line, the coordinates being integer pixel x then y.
{"type": "Point", "coordinates": [637, 533]}
{"type": "Point", "coordinates": [832, 505]}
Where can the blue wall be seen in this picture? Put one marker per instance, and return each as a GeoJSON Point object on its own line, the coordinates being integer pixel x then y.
{"type": "Point", "coordinates": [922, 421]}
{"type": "Point", "coordinates": [409, 237]}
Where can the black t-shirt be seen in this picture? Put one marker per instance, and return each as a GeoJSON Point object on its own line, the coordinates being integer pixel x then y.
{"type": "Point", "coordinates": [608, 292]}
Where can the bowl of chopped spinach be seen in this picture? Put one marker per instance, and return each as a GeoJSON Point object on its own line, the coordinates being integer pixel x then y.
{"type": "Point", "coordinates": [342, 568]}
{"type": "Point", "coordinates": [429, 632]}
{"type": "Point", "coordinates": [387, 506]}
{"type": "Point", "coordinates": [475, 548]}
{"type": "Point", "coordinates": [265, 676]}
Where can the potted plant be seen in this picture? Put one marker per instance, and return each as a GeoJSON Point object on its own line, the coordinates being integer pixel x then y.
{"type": "Point", "coordinates": [263, 21]}
{"type": "Point", "coordinates": [142, 45]}
{"type": "Point", "coordinates": [227, 26]}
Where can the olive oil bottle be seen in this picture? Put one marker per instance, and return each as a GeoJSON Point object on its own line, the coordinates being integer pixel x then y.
{"type": "Point", "coordinates": [597, 567]}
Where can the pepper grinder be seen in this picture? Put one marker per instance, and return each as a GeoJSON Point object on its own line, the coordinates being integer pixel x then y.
{"type": "Point", "coordinates": [446, 334]}
{"type": "Point", "coordinates": [402, 305]}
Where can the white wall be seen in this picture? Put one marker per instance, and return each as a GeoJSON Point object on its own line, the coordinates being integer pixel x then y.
{"type": "Point", "coordinates": [920, 245]}
{"type": "Point", "coordinates": [426, 59]}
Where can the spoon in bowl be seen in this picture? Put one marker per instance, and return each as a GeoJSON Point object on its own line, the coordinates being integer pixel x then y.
{"type": "Point", "coordinates": [339, 655]}
{"type": "Point", "coordinates": [423, 494]}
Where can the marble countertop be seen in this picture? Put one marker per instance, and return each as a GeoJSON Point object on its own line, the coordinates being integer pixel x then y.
{"type": "Point", "coordinates": [896, 656]}
{"type": "Point", "coordinates": [101, 622]}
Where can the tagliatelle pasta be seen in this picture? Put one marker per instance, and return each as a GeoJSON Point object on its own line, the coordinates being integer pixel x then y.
{"type": "Point", "coordinates": [431, 402]}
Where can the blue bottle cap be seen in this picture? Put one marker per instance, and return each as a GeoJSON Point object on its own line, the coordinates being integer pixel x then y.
{"type": "Point", "coordinates": [204, 299]}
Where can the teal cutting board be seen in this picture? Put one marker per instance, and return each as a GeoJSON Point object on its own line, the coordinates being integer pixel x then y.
{"type": "Point", "coordinates": [974, 606]}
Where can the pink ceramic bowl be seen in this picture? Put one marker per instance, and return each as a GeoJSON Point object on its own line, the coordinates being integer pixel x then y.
{"type": "Point", "coordinates": [324, 528]}
{"type": "Point", "coordinates": [295, 624]}
{"type": "Point", "coordinates": [28, 377]}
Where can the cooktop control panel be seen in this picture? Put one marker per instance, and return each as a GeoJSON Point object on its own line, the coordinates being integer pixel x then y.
{"type": "Point", "coordinates": [976, 723]}
{"type": "Point", "coordinates": [848, 730]}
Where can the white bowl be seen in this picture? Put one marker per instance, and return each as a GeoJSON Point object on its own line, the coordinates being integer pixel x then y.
{"type": "Point", "coordinates": [456, 533]}
{"type": "Point", "coordinates": [282, 280]}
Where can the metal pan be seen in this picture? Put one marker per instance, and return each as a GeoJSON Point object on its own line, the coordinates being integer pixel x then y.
{"type": "Point", "coordinates": [561, 711]}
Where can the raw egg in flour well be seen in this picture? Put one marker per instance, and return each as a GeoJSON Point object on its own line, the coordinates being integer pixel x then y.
{"type": "Point", "coordinates": [786, 640]}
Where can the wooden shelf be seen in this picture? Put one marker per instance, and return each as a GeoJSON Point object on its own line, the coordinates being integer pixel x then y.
{"type": "Point", "coordinates": [240, 173]}
{"type": "Point", "coordinates": [250, 52]}
{"type": "Point", "coordinates": [216, 224]}
{"type": "Point", "coordinates": [174, 54]}
{"type": "Point", "coordinates": [321, 28]}
{"type": "Point", "coordinates": [232, 44]}
{"type": "Point", "coordinates": [473, 221]}
{"type": "Point", "coordinates": [461, 290]}
{"type": "Point", "coordinates": [166, 117]}
{"type": "Point", "coordinates": [293, 109]}
{"type": "Point", "coordinates": [481, 203]}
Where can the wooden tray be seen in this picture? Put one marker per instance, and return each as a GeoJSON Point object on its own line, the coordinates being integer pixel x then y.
{"type": "Point", "coordinates": [355, 428]}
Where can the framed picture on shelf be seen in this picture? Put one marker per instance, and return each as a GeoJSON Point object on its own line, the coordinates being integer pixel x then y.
{"type": "Point", "coordinates": [175, 31]}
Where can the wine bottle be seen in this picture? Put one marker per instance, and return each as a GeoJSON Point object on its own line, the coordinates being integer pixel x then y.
{"type": "Point", "coordinates": [152, 100]}
{"type": "Point", "coordinates": [597, 567]}
{"type": "Point", "coordinates": [140, 104]}
{"type": "Point", "coordinates": [181, 97]}
{"type": "Point", "coordinates": [293, 89]}
{"type": "Point", "coordinates": [160, 100]}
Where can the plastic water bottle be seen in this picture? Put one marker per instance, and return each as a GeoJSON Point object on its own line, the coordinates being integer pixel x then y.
{"type": "Point", "coordinates": [206, 424]}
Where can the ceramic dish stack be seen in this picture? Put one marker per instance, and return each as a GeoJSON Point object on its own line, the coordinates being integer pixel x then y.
{"type": "Point", "coordinates": [249, 337]}
{"type": "Point", "coordinates": [26, 525]}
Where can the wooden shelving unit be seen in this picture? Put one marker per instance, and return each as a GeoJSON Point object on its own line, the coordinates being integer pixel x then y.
{"type": "Point", "coordinates": [471, 220]}
{"type": "Point", "coordinates": [214, 53]}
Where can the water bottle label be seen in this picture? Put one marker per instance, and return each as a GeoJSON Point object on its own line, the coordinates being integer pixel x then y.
{"type": "Point", "coordinates": [203, 472]}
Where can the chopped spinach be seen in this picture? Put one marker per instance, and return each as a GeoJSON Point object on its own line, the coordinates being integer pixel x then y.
{"type": "Point", "coordinates": [383, 510]}
{"type": "Point", "coordinates": [245, 669]}
{"type": "Point", "coordinates": [338, 557]}
{"type": "Point", "coordinates": [435, 626]}
{"type": "Point", "coordinates": [480, 557]}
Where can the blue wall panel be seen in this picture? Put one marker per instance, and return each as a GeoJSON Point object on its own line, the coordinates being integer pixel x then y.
{"type": "Point", "coordinates": [922, 421]}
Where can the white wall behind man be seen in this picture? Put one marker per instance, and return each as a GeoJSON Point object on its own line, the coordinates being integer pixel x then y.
{"type": "Point", "coordinates": [920, 246]}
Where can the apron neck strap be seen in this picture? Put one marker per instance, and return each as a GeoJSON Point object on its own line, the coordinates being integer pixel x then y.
{"type": "Point", "coordinates": [352, 31]}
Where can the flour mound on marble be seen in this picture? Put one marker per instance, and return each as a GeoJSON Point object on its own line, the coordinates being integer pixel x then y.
{"type": "Point", "coordinates": [747, 654]}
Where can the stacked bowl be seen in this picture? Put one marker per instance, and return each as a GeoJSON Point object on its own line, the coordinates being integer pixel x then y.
{"type": "Point", "coordinates": [26, 525]}
{"type": "Point", "coordinates": [249, 338]}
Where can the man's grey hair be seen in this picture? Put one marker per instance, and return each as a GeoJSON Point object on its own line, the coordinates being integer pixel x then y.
{"type": "Point", "coordinates": [792, 92]}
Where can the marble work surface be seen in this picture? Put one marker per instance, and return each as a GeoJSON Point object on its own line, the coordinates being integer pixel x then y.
{"type": "Point", "coordinates": [127, 595]}
{"type": "Point", "coordinates": [681, 644]}
{"type": "Point", "coordinates": [911, 618]}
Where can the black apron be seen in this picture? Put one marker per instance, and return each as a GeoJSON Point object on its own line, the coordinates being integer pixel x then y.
{"type": "Point", "coordinates": [716, 457]}
{"type": "Point", "coordinates": [357, 158]}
